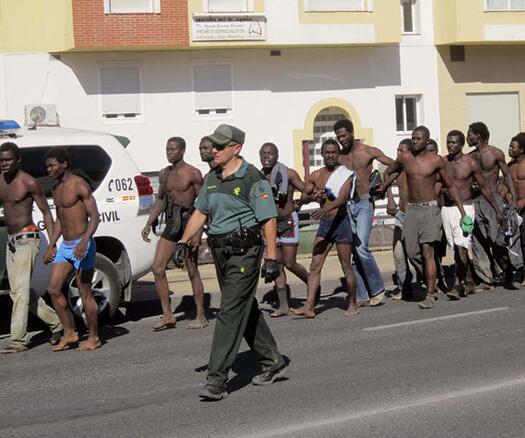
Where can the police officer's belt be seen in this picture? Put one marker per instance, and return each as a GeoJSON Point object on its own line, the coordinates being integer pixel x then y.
{"type": "Point", "coordinates": [242, 239]}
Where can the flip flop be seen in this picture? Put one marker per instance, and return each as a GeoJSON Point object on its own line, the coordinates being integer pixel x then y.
{"type": "Point", "coordinates": [67, 346]}
{"type": "Point", "coordinates": [12, 349]}
{"type": "Point", "coordinates": [164, 326]}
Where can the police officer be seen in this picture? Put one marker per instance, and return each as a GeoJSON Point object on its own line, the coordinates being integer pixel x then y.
{"type": "Point", "coordinates": [240, 205]}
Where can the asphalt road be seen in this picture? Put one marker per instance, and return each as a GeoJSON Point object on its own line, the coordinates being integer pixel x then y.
{"type": "Point", "coordinates": [394, 371]}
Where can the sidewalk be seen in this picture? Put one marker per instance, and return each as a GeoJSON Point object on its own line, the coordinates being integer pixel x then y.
{"type": "Point", "coordinates": [181, 293]}
{"type": "Point", "coordinates": [180, 285]}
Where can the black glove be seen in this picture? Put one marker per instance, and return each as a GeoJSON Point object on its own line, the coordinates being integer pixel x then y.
{"type": "Point", "coordinates": [270, 270]}
{"type": "Point", "coordinates": [181, 251]}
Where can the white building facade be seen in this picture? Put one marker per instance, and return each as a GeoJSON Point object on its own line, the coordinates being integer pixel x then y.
{"type": "Point", "coordinates": [288, 86]}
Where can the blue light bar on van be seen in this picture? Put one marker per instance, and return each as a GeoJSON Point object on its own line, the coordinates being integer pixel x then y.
{"type": "Point", "coordinates": [8, 125]}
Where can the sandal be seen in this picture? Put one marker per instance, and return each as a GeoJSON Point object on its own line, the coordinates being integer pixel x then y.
{"type": "Point", "coordinates": [163, 325]}
{"type": "Point", "coordinates": [13, 349]}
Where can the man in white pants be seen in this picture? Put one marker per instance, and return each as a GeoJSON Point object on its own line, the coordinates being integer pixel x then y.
{"type": "Point", "coordinates": [463, 169]}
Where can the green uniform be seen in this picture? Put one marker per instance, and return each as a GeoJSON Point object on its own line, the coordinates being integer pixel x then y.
{"type": "Point", "coordinates": [241, 201]}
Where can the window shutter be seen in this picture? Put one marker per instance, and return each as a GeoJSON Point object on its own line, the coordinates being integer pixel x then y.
{"type": "Point", "coordinates": [213, 87]}
{"type": "Point", "coordinates": [120, 91]}
{"type": "Point", "coordinates": [336, 5]}
{"type": "Point", "coordinates": [133, 6]}
{"type": "Point", "coordinates": [517, 5]}
{"type": "Point", "coordinates": [227, 6]}
{"type": "Point", "coordinates": [497, 5]}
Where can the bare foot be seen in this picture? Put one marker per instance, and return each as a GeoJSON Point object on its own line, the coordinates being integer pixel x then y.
{"type": "Point", "coordinates": [363, 303]}
{"type": "Point", "coordinates": [90, 344]}
{"type": "Point", "coordinates": [66, 342]}
{"type": "Point", "coordinates": [303, 311]}
{"type": "Point", "coordinates": [163, 324]}
{"type": "Point", "coordinates": [198, 323]}
{"type": "Point", "coordinates": [352, 311]}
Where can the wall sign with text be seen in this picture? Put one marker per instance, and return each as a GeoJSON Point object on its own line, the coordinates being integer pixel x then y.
{"type": "Point", "coordinates": [228, 28]}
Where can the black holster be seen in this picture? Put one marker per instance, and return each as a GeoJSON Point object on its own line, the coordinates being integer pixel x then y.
{"type": "Point", "coordinates": [238, 241]}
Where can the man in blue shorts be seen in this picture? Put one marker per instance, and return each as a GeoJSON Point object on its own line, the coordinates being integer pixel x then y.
{"type": "Point", "coordinates": [284, 182]}
{"type": "Point", "coordinates": [77, 221]}
{"type": "Point", "coordinates": [335, 228]}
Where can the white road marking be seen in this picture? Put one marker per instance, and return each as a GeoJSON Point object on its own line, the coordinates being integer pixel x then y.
{"type": "Point", "coordinates": [438, 318]}
{"type": "Point", "coordinates": [359, 415]}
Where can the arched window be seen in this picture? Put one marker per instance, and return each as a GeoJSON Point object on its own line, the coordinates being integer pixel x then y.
{"type": "Point", "coordinates": [323, 130]}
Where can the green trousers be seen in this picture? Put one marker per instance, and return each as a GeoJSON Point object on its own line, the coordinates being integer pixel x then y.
{"type": "Point", "coordinates": [239, 315]}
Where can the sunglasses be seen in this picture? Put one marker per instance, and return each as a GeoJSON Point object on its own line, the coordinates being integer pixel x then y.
{"type": "Point", "coordinates": [221, 147]}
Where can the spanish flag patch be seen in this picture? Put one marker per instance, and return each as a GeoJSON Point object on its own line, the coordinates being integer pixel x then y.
{"type": "Point", "coordinates": [263, 196]}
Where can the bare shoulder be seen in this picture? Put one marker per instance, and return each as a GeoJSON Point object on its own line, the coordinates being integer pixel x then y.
{"type": "Point", "coordinates": [474, 154]}
{"type": "Point", "coordinates": [28, 180]}
{"type": "Point", "coordinates": [432, 159]}
{"type": "Point", "coordinates": [80, 185]}
{"type": "Point", "coordinates": [371, 150]}
{"type": "Point", "coordinates": [191, 168]}
{"type": "Point", "coordinates": [292, 174]}
{"type": "Point", "coordinates": [195, 172]}
{"type": "Point", "coordinates": [497, 152]}
{"type": "Point", "coordinates": [314, 176]}
{"type": "Point", "coordinates": [470, 160]}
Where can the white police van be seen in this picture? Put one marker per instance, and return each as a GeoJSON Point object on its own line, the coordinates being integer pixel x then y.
{"type": "Point", "coordinates": [124, 197]}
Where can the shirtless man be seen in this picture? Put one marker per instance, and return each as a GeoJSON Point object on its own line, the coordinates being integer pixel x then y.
{"type": "Point", "coordinates": [403, 274]}
{"type": "Point", "coordinates": [517, 172]}
{"type": "Point", "coordinates": [18, 192]}
{"type": "Point", "coordinates": [422, 227]}
{"type": "Point", "coordinates": [359, 157]}
{"type": "Point", "coordinates": [206, 152]}
{"type": "Point", "coordinates": [335, 227]}
{"type": "Point", "coordinates": [441, 247]}
{"type": "Point", "coordinates": [464, 170]}
{"type": "Point", "coordinates": [486, 252]}
{"type": "Point", "coordinates": [287, 222]}
{"type": "Point", "coordinates": [77, 220]}
{"type": "Point", "coordinates": [179, 186]}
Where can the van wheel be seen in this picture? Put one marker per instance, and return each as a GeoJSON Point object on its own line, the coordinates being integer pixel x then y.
{"type": "Point", "coordinates": [106, 289]}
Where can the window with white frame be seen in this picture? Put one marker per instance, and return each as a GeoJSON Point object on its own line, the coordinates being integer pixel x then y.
{"type": "Point", "coordinates": [120, 94]}
{"type": "Point", "coordinates": [131, 6]}
{"type": "Point", "coordinates": [410, 16]}
{"type": "Point", "coordinates": [338, 5]}
{"type": "Point", "coordinates": [212, 84]}
{"type": "Point", "coordinates": [504, 5]}
{"type": "Point", "coordinates": [229, 5]}
{"type": "Point", "coordinates": [408, 113]}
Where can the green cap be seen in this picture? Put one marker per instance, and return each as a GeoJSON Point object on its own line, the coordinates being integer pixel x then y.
{"type": "Point", "coordinates": [225, 134]}
{"type": "Point", "coordinates": [467, 224]}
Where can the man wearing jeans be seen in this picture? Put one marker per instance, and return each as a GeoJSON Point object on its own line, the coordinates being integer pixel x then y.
{"type": "Point", "coordinates": [359, 157]}
{"type": "Point", "coordinates": [403, 273]}
{"type": "Point", "coordinates": [18, 191]}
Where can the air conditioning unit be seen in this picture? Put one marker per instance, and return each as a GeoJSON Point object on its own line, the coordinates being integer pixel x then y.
{"type": "Point", "coordinates": [41, 115]}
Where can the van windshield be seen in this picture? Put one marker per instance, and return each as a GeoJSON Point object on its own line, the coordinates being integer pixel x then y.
{"type": "Point", "coordinates": [91, 159]}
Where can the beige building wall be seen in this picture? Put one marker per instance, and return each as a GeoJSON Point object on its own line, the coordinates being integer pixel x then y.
{"type": "Point", "coordinates": [467, 22]}
{"type": "Point", "coordinates": [487, 69]}
{"type": "Point", "coordinates": [36, 25]}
